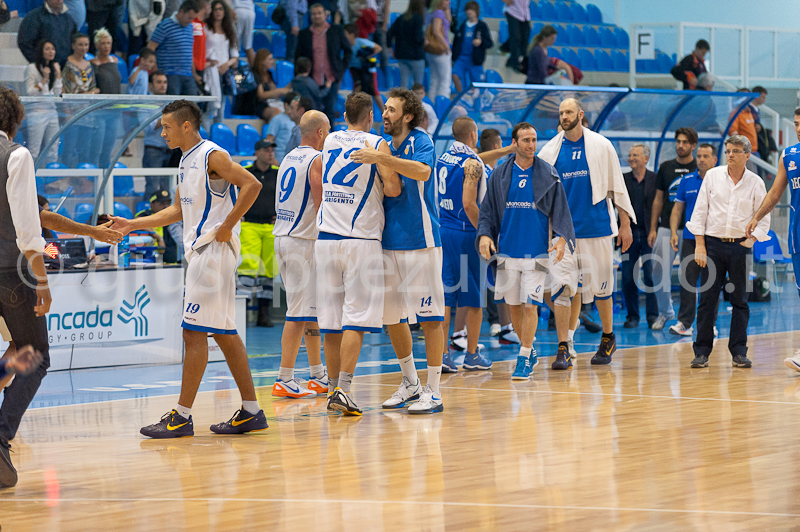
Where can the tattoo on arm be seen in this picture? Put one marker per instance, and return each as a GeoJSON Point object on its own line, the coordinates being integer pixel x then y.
{"type": "Point", "coordinates": [312, 332]}
{"type": "Point", "coordinates": [472, 172]}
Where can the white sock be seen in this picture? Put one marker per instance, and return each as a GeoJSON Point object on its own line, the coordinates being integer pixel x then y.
{"type": "Point", "coordinates": [525, 351]}
{"type": "Point", "coordinates": [251, 406]}
{"type": "Point", "coordinates": [183, 411]}
{"type": "Point", "coordinates": [508, 327]}
{"type": "Point", "coordinates": [434, 376]}
{"type": "Point", "coordinates": [409, 369]}
{"type": "Point", "coordinates": [317, 371]}
{"type": "Point", "coordinates": [285, 374]}
{"type": "Point", "coordinates": [571, 335]}
{"type": "Point", "coordinates": [459, 334]}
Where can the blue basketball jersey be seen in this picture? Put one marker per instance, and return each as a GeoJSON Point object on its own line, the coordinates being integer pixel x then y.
{"type": "Point", "coordinates": [590, 221]}
{"type": "Point", "coordinates": [412, 220]}
{"type": "Point", "coordinates": [687, 193]}
{"type": "Point", "coordinates": [450, 182]}
{"type": "Point", "coordinates": [791, 161]}
{"type": "Point", "coordinates": [524, 231]}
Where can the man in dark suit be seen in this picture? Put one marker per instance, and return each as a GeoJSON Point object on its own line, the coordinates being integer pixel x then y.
{"type": "Point", "coordinates": [641, 184]}
{"type": "Point", "coordinates": [329, 51]}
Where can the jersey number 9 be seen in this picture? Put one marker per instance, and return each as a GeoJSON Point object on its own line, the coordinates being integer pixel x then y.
{"type": "Point", "coordinates": [287, 183]}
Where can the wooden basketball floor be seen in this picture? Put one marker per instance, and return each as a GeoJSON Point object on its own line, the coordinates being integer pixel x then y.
{"type": "Point", "coordinates": [644, 444]}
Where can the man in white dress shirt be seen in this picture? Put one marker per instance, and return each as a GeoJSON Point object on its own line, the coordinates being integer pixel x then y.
{"type": "Point", "coordinates": [728, 198]}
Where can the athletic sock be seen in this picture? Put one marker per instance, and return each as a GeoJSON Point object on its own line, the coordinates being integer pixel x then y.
{"type": "Point", "coordinates": [286, 374]}
{"type": "Point", "coordinates": [317, 371]}
{"type": "Point", "coordinates": [434, 376]}
{"type": "Point", "coordinates": [183, 411]}
{"type": "Point", "coordinates": [565, 344]}
{"type": "Point", "coordinates": [251, 406]}
{"type": "Point", "coordinates": [509, 327]}
{"type": "Point", "coordinates": [571, 335]}
{"type": "Point", "coordinates": [332, 384]}
{"type": "Point", "coordinates": [525, 351]}
{"type": "Point", "coordinates": [345, 380]}
{"type": "Point", "coordinates": [608, 335]}
{"type": "Point", "coordinates": [409, 369]}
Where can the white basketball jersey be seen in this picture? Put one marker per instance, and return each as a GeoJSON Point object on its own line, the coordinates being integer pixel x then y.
{"type": "Point", "coordinates": [294, 206]}
{"type": "Point", "coordinates": [205, 202]}
{"type": "Point", "coordinates": [352, 193]}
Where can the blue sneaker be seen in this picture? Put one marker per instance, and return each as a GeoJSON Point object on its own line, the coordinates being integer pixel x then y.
{"type": "Point", "coordinates": [533, 360]}
{"type": "Point", "coordinates": [523, 370]}
{"type": "Point", "coordinates": [448, 366]}
{"type": "Point", "coordinates": [476, 362]}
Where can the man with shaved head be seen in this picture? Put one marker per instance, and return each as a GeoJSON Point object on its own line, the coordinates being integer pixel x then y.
{"type": "Point", "coordinates": [590, 172]}
{"type": "Point", "coordinates": [297, 200]}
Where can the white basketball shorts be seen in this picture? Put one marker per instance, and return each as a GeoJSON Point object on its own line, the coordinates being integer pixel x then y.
{"type": "Point", "coordinates": [414, 287]}
{"type": "Point", "coordinates": [521, 281]}
{"type": "Point", "coordinates": [296, 262]}
{"type": "Point", "coordinates": [209, 300]}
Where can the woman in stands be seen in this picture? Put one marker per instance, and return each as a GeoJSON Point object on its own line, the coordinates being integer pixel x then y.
{"type": "Point", "coordinates": [441, 65]}
{"type": "Point", "coordinates": [222, 52]}
{"type": "Point", "coordinates": [406, 37]}
{"type": "Point", "coordinates": [43, 78]}
{"type": "Point", "coordinates": [109, 81]}
{"type": "Point", "coordinates": [537, 58]}
{"type": "Point", "coordinates": [265, 100]}
{"type": "Point", "coordinates": [78, 78]}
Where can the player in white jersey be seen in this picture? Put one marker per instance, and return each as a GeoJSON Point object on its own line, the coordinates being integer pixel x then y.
{"type": "Point", "coordinates": [297, 200]}
{"type": "Point", "coordinates": [208, 203]}
{"type": "Point", "coordinates": [348, 251]}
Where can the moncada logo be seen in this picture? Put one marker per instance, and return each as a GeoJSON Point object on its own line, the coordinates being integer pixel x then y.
{"type": "Point", "coordinates": [134, 312]}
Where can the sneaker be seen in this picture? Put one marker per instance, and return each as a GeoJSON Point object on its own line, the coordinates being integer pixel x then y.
{"type": "Point", "coordinates": [458, 342]}
{"type": "Point", "coordinates": [533, 360]}
{"type": "Point", "coordinates": [494, 330]}
{"type": "Point", "coordinates": [716, 332]}
{"type": "Point", "coordinates": [571, 347]}
{"type": "Point", "coordinates": [523, 370]}
{"type": "Point", "coordinates": [429, 403]}
{"type": "Point", "coordinates": [658, 325]}
{"type": "Point", "coordinates": [508, 337]}
{"type": "Point", "coordinates": [591, 325]}
{"type": "Point", "coordinates": [476, 362]}
{"type": "Point", "coordinates": [172, 425]}
{"type": "Point", "coordinates": [406, 393]}
{"type": "Point", "coordinates": [241, 422]}
{"type": "Point", "coordinates": [630, 324]}
{"type": "Point", "coordinates": [563, 359]}
{"type": "Point", "coordinates": [793, 362]}
{"type": "Point", "coordinates": [700, 361]}
{"type": "Point", "coordinates": [328, 406]}
{"type": "Point", "coordinates": [343, 403]}
{"type": "Point", "coordinates": [604, 352]}
{"type": "Point", "coordinates": [448, 366]}
{"type": "Point", "coordinates": [291, 389]}
{"type": "Point", "coordinates": [741, 361]}
{"type": "Point", "coordinates": [318, 384]}
{"type": "Point", "coordinates": [8, 475]}
{"type": "Point", "coordinates": [681, 330]}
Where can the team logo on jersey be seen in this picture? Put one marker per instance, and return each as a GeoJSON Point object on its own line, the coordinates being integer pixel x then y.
{"type": "Point", "coordinates": [408, 149]}
{"type": "Point", "coordinates": [792, 166]}
{"type": "Point", "coordinates": [793, 150]}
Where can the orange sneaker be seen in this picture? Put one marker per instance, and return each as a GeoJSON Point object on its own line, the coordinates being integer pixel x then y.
{"type": "Point", "coordinates": [291, 389]}
{"type": "Point", "coordinates": [319, 384]}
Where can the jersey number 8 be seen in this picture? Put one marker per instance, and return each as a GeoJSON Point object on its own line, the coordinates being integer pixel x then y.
{"type": "Point", "coordinates": [442, 180]}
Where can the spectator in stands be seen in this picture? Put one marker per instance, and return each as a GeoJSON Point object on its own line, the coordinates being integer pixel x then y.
{"type": "Point", "coordinates": [222, 53]}
{"type": "Point", "coordinates": [295, 13]}
{"type": "Point", "coordinates": [518, 15]}
{"type": "Point", "coordinates": [143, 17]}
{"type": "Point", "coordinates": [102, 14]}
{"type": "Point", "coordinates": [538, 59]}
{"type": "Point", "coordinates": [363, 64]}
{"type": "Point", "coordinates": [441, 65]}
{"type": "Point", "coordinates": [49, 22]}
{"type": "Point", "coordinates": [109, 81]}
{"type": "Point", "coordinates": [330, 53]}
{"type": "Point", "coordinates": [670, 175]}
{"type": "Point", "coordinates": [296, 112]}
{"type": "Point", "coordinates": [43, 78]}
{"type": "Point", "coordinates": [199, 45]}
{"type": "Point", "coordinates": [641, 185]}
{"type": "Point", "coordinates": [156, 152]}
{"type": "Point", "coordinates": [470, 43]}
{"type": "Point", "coordinates": [384, 11]}
{"type": "Point", "coordinates": [77, 10]}
{"type": "Point", "coordinates": [407, 38]}
{"type": "Point", "coordinates": [265, 100]}
{"type": "Point", "coordinates": [692, 67]}
{"type": "Point", "coordinates": [748, 123]}
{"type": "Point", "coordinates": [433, 120]}
{"type": "Point", "coordinates": [280, 127]}
{"type": "Point", "coordinates": [172, 42]}
{"type": "Point", "coordinates": [78, 73]}
{"type": "Point", "coordinates": [303, 85]}
{"type": "Point", "coordinates": [139, 80]}
{"type": "Point", "coordinates": [245, 25]}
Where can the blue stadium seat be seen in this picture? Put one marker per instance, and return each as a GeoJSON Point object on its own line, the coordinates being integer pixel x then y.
{"type": "Point", "coordinates": [550, 133]}
{"type": "Point", "coordinates": [442, 103]}
{"type": "Point", "coordinates": [664, 63]}
{"type": "Point", "coordinates": [83, 212]}
{"type": "Point", "coordinates": [262, 22]}
{"type": "Point", "coordinates": [554, 52]}
{"type": "Point", "coordinates": [339, 127]}
{"type": "Point", "coordinates": [547, 11]}
{"type": "Point", "coordinates": [426, 78]}
{"type": "Point", "coordinates": [223, 136]}
{"type": "Point", "coordinates": [620, 61]}
{"type": "Point", "coordinates": [279, 44]}
{"type": "Point", "coordinates": [502, 33]}
{"type": "Point", "coordinates": [563, 12]}
{"type": "Point", "coordinates": [578, 13]}
{"type": "Point", "coordinates": [645, 66]}
{"type": "Point", "coordinates": [493, 76]}
{"type": "Point", "coordinates": [587, 60]}
{"type": "Point", "coordinates": [86, 166]}
{"type": "Point", "coordinates": [132, 62]}
{"type": "Point", "coordinates": [123, 184]}
{"type": "Point", "coordinates": [428, 101]}
{"type": "Point", "coordinates": [203, 133]}
{"type": "Point", "coordinates": [621, 39]}
{"type": "Point", "coordinates": [55, 166]}
{"type": "Point", "coordinates": [590, 36]}
{"type": "Point", "coordinates": [264, 130]}
{"type": "Point", "coordinates": [18, 5]}
{"type": "Point", "coordinates": [340, 105]}
{"type": "Point", "coordinates": [260, 41]}
{"type": "Point", "coordinates": [537, 27]}
{"type": "Point", "coordinates": [122, 210]}
{"type": "Point", "coordinates": [394, 75]}
{"type": "Point", "coordinates": [270, 23]}
{"type": "Point", "coordinates": [604, 62]}
{"type": "Point", "coordinates": [245, 162]}
{"type": "Point", "coordinates": [347, 81]}
{"type": "Point", "coordinates": [122, 66]}
{"type": "Point", "coordinates": [571, 57]}
{"type": "Point", "coordinates": [381, 80]}
{"type": "Point", "coordinates": [593, 14]}
{"type": "Point", "coordinates": [536, 12]}
{"type": "Point", "coordinates": [246, 138]}
{"type": "Point", "coordinates": [576, 37]}
{"type": "Point", "coordinates": [393, 17]}
{"type": "Point", "coordinates": [607, 39]}
{"type": "Point", "coordinates": [284, 74]}
{"type": "Point", "coordinates": [142, 206]}
{"type": "Point", "coordinates": [88, 56]}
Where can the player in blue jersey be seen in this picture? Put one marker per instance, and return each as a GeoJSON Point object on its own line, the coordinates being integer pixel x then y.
{"type": "Point", "coordinates": [413, 251]}
{"type": "Point", "coordinates": [788, 175]}
{"type": "Point", "coordinates": [523, 201]}
{"type": "Point", "coordinates": [589, 168]}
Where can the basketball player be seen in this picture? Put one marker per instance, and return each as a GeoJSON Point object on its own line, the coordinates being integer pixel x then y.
{"type": "Point", "coordinates": [348, 252]}
{"type": "Point", "coordinates": [788, 175]}
{"type": "Point", "coordinates": [524, 200]}
{"type": "Point", "coordinates": [413, 250]}
{"type": "Point", "coordinates": [589, 168]}
{"type": "Point", "coordinates": [297, 201]}
{"type": "Point", "coordinates": [210, 208]}
{"type": "Point", "coordinates": [461, 177]}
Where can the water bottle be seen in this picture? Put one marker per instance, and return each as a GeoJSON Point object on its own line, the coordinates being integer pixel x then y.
{"type": "Point", "coordinates": [124, 252]}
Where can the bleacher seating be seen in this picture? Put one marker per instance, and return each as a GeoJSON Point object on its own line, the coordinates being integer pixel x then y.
{"type": "Point", "coordinates": [604, 62]}
{"type": "Point", "coordinates": [122, 66]}
{"type": "Point", "coordinates": [578, 13]}
{"type": "Point", "coordinates": [591, 37]}
{"type": "Point", "coordinates": [284, 72]}
{"type": "Point", "coordinates": [563, 12]}
{"type": "Point", "coordinates": [245, 162]}
{"type": "Point", "coordinates": [502, 32]}
{"type": "Point", "coordinates": [262, 22]}
{"type": "Point", "coordinates": [607, 39]}
{"type": "Point", "coordinates": [203, 133]}
{"type": "Point", "coordinates": [122, 210]}
{"type": "Point", "coordinates": [547, 11]}
{"type": "Point", "coordinates": [270, 23]}
{"type": "Point", "coordinates": [621, 38]}
{"type": "Point", "coordinates": [83, 212]}
{"type": "Point", "coordinates": [132, 61]}
{"type": "Point", "coordinates": [260, 41]}
{"type": "Point", "coordinates": [492, 76]}
{"type": "Point", "coordinates": [279, 44]}
{"type": "Point", "coordinates": [142, 206]}
{"type": "Point", "coordinates": [222, 135]}
{"type": "Point", "coordinates": [442, 103]}
{"type": "Point", "coordinates": [536, 13]}
{"type": "Point", "coordinates": [246, 138]}
{"type": "Point", "coordinates": [123, 184]}
{"type": "Point", "coordinates": [593, 14]}
{"type": "Point", "coordinates": [576, 37]}
{"type": "Point", "coordinates": [571, 56]}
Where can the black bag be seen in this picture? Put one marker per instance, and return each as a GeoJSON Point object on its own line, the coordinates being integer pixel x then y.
{"type": "Point", "coordinates": [677, 73]}
{"type": "Point", "coordinates": [279, 14]}
{"type": "Point", "coordinates": [238, 80]}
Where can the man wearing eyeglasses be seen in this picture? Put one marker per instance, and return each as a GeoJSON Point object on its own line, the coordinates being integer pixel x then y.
{"type": "Point", "coordinates": [729, 197]}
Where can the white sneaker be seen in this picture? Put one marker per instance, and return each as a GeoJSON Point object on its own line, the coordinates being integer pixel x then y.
{"type": "Point", "coordinates": [460, 344]}
{"type": "Point", "coordinates": [509, 336]}
{"type": "Point", "coordinates": [429, 402]}
{"type": "Point", "coordinates": [571, 347]}
{"type": "Point", "coordinates": [716, 332]}
{"type": "Point", "coordinates": [658, 325]}
{"type": "Point", "coordinates": [405, 393]}
{"type": "Point", "coordinates": [319, 384]}
{"type": "Point", "coordinates": [494, 330]}
{"type": "Point", "coordinates": [793, 362]}
{"type": "Point", "coordinates": [681, 330]}
{"type": "Point", "coordinates": [291, 389]}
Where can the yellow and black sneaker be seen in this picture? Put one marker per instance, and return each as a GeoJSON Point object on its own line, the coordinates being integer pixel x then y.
{"type": "Point", "coordinates": [608, 344]}
{"type": "Point", "coordinates": [343, 403]}
{"type": "Point", "coordinates": [172, 425]}
{"type": "Point", "coordinates": [241, 422]}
